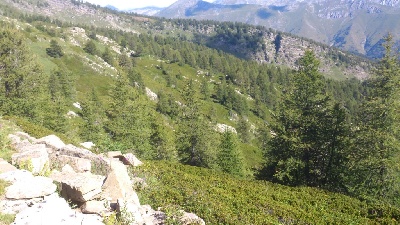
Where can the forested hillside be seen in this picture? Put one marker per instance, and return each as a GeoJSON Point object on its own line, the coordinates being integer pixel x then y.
{"type": "Point", "coordinates": [164, 96]}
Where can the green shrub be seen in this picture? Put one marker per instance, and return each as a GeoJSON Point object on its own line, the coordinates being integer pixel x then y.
{"type": "Point", "coordinates": [37, 131]}
{"type": "Point", "coordinates": [223, 199]}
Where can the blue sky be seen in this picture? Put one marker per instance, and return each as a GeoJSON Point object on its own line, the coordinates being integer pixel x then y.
{"type": "Point", "coordinates": [130, 4]}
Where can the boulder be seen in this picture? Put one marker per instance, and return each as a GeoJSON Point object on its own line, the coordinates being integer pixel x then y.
{"type": "Point", "coordinates": [118, 185]}
{"type": "Point", "coordinates": [16, 175]}
{"type": "Point", "coordinates": [26, 146]}
{"type": "Point", "coordinates": [78, 187]}
{"type": "Point", "coordinates": [34, 187]}
{"type": "Point", "coordinates": [191, 218]}
{"type": "Point", "coordinates": [12, 206]}
{"type": "Point", "coordinates": [14, 139]}
{"type": "Point", "coordinates": [95, 207]}
{"type": "Point", "coordinates": [51, 141]}
{"type": "Point", "coordinates": [78, 164]}
{"type": "Point", "coordinates": [88, 144]}
{"type": "Point", "coordinates": [5, 166]}
{"type": "Point", "coordinates": [36, 160]}
{"type": "Point", "coordinates": [130, 159]}
{"type": "Point", "coordinates": [25, 136]}
{"type": "Point", "coordinates": [130, 211]}
{"type": "Point", "coordinates": [114, 154]}
{"type": "Point", "coordinates": [71, 150]}
{"type": "Point", "coordinates": [54, 210]}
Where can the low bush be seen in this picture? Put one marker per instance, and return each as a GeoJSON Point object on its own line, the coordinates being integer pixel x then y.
{"type": "Point", "coordinates": [222, 199]}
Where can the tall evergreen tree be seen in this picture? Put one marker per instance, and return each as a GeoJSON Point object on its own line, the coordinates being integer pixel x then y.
{"type": "Point", "coordinates": [378, 150]}
{"type": "Point", "coordinates": [196, 138]}
{"type": "Point", "coordinates": [229, 157]}
{"type": "Point", "coordinates": [306, 147]}
{"type": "Point", "coordinates": [129, 118]}
{"type": "Point", "coordinates": [92, 116]}
{"type": "Point", "coordinates": [22, 82]}
{"type": "Point", "coordinates": [55, 50]}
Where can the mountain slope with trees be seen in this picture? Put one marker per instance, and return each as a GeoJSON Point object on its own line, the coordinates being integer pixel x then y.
{"type": "Point", "coordinates": [166, 97]}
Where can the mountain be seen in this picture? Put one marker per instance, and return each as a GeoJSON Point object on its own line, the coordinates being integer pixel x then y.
{"type": "Point", "coordinates": [148, 11]}
{"type": "Point", "coordinates": [111, 7]}
{"type": "Point", "coordinates": [354, 25]}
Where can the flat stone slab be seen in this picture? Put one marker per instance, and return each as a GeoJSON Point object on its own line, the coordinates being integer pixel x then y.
{"type": "Point", "coordinates": [5, 166]}
{"type": "Point", "coordinates": [54, 210]}
{"type": "Point", "coordinates": [34, 187]}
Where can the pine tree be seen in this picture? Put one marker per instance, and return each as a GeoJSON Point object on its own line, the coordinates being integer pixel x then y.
{"type": "Point", "coordinates": [378, 146]}
{"type": "Point", "coordinates": [195, 136]}
{"type": "Point", "coordinates": [92, 116]}
{"type": "Point", "coordinates": [55, 50]}
{"type": "Point", "coordinates": [129, 118]}
{"type": "Point", "coordinates": [229, 156]}
{"type": "Point", "coordinates": [307, 145]}
{"type": "Point", "coordinates": [90, 47]}
{"type": "Point", "coordinates": [22, 80]}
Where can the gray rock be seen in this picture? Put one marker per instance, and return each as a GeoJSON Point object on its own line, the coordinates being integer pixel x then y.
{"type": "Point", "coordinates": [54, 210]}
{"type": "Point", "coordinates": [16, 175]}
{"type": "Point", "coordinates": [5, 166]}
{"type": "Point", "coordinates": [191, 218]}
{"type": "Point", "coordinates": [14, 139]}
{"type": "Point", "coordinates": [88, 144]}
{"type": "Point", "coordinates": [78, 187]}
{"type": "Point", "coordinates": [130, 159]}
{"type": "Point", "coordinates": [11, 206]}
{"type": "Point", "coordinates": [36, 160]}
{"type": "Point", "coordinates": [25, 136]}
{"type": "Point", "coordinates": [79, 165]}
{"type": "Point", "coordinates": [130, 211]}
{"type": "Point", "coordinates": [51, 141]}
{"type": "Point", "coordinates": [95, 207]}
{"type": "Point", "coordinates": [118, 185]}
{"type": "Point", "coordinates": [35, 187]}
{"type": "Point", "coordinates": [114, 154]}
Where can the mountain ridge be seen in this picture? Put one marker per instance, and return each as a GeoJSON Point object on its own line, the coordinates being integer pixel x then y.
{"type": "Point", "coordinates": [354, 25]}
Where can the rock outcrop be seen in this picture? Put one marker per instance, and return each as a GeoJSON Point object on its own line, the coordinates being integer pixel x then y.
{"type": "Point", "coordinates": [33, 197]}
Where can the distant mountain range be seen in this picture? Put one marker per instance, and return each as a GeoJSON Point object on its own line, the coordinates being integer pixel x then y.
{"type": "Point", "coordinates": [149, 11]}
{"type": "Point", "coordinates": [355, 25]}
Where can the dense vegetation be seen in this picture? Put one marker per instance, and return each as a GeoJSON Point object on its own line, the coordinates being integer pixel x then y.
{"type": "Point", "coordinates": [292, 127]}
{"type": "Point", "coordinates": [222, 199]}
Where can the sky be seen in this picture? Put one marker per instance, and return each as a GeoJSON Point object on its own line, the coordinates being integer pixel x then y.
{"type": "Point", "coordinates": [131, 4]}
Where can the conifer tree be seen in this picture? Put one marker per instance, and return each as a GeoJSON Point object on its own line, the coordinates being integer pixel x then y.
{"type": "Point", "coordinates": [22, 82]}
{"type": "Point", "coordinates": [378, 138]}
{"type": "Point", "coordinates": [307, 145]}
{"type": "Point", "coordinates": [129, 118]}
{"type": "Point", "coordinates": [55, 50]}
{"type": "Point", "coordinates": [196, 139]}
{"type": "Point", "coordinates": [229, 157]}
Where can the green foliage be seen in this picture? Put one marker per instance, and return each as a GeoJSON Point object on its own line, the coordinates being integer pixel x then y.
{"type": "Point", "coordinates": [376, 154]}
{"type": "Point", "coordinates": [309, 145]}
{"type": "Point", "coordinates": [92, 116]}
{"type": "Point", "coordinates": [219, 198]}
{"type": "Point", "coordinates": [129, 118]}
{"type": "Point", "coordinates": [108, 57]}
{"type": "Point", "coordinates": [195, 136]}
{"type": "Point", "coordinates": [229, 157]}
{"type": "Point", "coordinates": [90, 48]}
{"type": "Point", "coordinates": [21, 76]}
{"type": "Point", "coordinates": [55, 50]}
{"type": "Point", "coordinates": [37, 131]}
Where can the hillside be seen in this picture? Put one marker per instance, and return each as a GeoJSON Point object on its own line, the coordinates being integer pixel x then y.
{"type": "Point", "coordinates": [261, 44]}
{"type": "Point", "coordinates": [282, 121]}
{"type": "Point", "coordinates": [355, 26]}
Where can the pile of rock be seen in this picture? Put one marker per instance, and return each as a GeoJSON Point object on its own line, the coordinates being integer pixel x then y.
{"type": "Point", "coordinates": [95, 185]}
